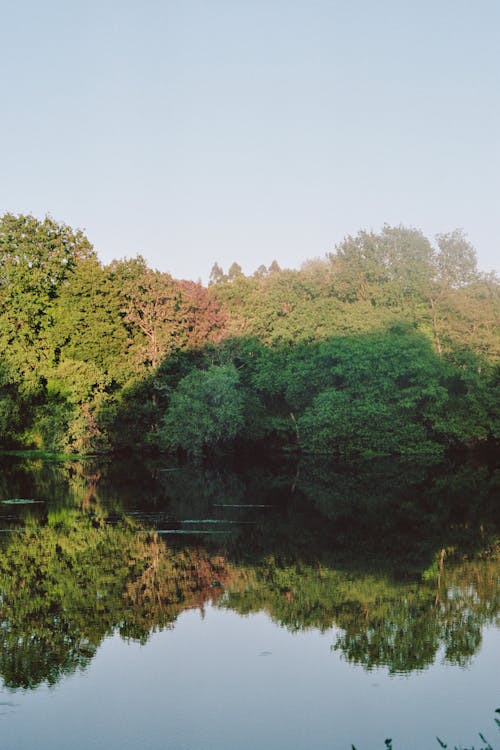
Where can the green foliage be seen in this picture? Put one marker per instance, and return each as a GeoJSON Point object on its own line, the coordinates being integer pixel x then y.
{"type": "Point", "coordinates": [342, 425]}
{"type": "Point", "coordinates": [456, 261]}
{"type": "Point", "coordinates": [387, 345]}
{"type": "Point", "coordinates": [9, 404]}
{"type": "Point", "coordinates": [206, 410]}
{"type": "Point", "coordinates": [393, 267]}
{"type": "Point", "coordinates": [89, 325]}
{"type": "Point", "coordinates": [384, 393]}
{"type": "Point", "coordinates": [36, 258]}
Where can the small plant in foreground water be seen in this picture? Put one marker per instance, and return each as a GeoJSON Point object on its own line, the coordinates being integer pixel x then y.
{"type": "Point", "coordinates": [486, 746]}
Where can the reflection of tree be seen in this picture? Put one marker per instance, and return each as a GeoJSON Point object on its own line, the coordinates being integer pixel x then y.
{"type": "Point", "coordinates": [67, 584]}
{"type": "Point", "coordinates": [400, 513]}
{"type": "Point", "coordinates": [405, 633]}
{"type": "Point", "coordinates": [172, 581]}
{"type": "Point", "coordinates": [384, 623]}
{"type": "Point", "coordinates": [404, 638]}
{"type": "Point", "coordinates": [61, 586]}
{"type": "Point", "coordinates": [329, 549]}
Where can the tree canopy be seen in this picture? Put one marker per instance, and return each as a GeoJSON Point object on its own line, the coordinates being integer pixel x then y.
{"type": "Point", "coordinates": [388, 344]}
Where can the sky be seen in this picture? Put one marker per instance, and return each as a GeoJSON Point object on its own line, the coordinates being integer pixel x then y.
{"type": "Point", "coordinates": [195, 131]}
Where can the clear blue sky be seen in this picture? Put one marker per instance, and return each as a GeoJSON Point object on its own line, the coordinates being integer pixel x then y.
{"type": "Point", "coordinates": [194, 131]}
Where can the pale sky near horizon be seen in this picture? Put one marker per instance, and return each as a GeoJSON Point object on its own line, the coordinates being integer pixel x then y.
{"type": "Point", "coordinates": [194, 131]}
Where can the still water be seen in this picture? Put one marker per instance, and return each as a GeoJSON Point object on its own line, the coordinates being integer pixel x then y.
{"type": "Point", "coordinates": [152, 606]}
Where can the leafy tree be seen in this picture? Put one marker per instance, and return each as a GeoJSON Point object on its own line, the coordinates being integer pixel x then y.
{"type": "Point", "coordinates": [36, 257]}
{"type": "Point", "coordinates": [260, 271]}
{"type": "Point", "coordinates": [234, 271]}
{"type": "Point", "coordinates": [393, 267]}
{"type": "Point", "coordinates": [274, 267]}
{"type": "Point", "coordinates": [456, 262]}
{"type": "Point", "coordinates": [206, 410]}
{"type": "Point", "coordinates": [150, 306]}
{"type": "Point", "coordinates": [216, 274]}
{"type": "Point", "coordinates": [9, 404]}
{"type": "Point", "coordinates": [202, 315]}
{"type": "Point", "coordinates": [89, 323]}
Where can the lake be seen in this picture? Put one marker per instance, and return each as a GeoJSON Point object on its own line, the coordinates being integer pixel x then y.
{"type": "Point", "coordinates": [296, 604]}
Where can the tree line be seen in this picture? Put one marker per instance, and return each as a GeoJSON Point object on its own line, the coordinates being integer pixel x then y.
{"type": "Point", "coordinates": [387, 345]}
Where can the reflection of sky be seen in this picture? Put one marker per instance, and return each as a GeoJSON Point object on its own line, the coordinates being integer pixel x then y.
{"type": "Point", "coordinates": [210, 684]}
{"type": "Point", "coordinates": [231, 130]}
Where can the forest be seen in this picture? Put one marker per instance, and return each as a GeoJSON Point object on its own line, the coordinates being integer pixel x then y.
{"type": "Point", "coordinates": [388, 345]}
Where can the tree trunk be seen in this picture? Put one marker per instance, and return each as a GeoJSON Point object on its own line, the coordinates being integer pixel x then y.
{"type": "Point", "coordinates": [435, 327]}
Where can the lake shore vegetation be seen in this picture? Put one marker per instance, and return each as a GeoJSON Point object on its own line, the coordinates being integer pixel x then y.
{"type": "Point", "coordinates": [386, 346]}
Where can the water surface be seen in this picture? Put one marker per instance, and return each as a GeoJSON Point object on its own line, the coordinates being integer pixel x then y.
{"type": "Point", "coordinates": [311, 606]}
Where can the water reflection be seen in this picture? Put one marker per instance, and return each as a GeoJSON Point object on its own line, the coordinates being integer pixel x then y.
{"type": "Point", "coordinates": [403, 560]}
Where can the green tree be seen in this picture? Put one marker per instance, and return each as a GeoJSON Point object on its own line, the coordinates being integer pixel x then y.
{"type": "Point", "coordinates": [216, 274]}
{"type": "Point", "coordinates": [9, 404]}
{"type": "Point", "coordinates": [206, 410]}
{"type": "Point", "coordinates": [234, 271]}
{"type": "Point", "coordinates": [150, 305]}
{"type": "Point", "coordinates": [36, 257]}
{"type": "Point", "coordinates": [89, 323]}
{"type": "Point", "coordinates": [456, 262]}
{"type": "Point", "coordinates": [392, 267]}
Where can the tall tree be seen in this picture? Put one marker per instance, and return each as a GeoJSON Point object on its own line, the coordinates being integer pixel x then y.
{"type": "Point", "coordinates": [151, 303]}
{"type": "Point", "coordinates": [36, 257]}
{"type": "Point", "coordinates": [216, 274]}
{"type": "Point", "coordinates": [456, 262]}
{"type": "Point", "coordinates": [201, 314]}
{"type": "Point", "coordinates": [455, 266]}
{"type": "Point", "coordinates": [392, 267]}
